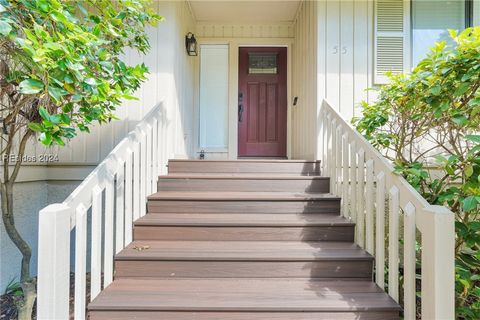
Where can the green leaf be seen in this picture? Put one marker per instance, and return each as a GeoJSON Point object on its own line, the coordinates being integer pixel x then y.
{"type": "Point", "coordinates": [436, 90]}
{"type": "Point", "coordinates": [469, 203]}
{"type": "Point", "coordinates": [46, 138]}
{"type": "Point", "coordinates": [59, 141]}
{"type": "Point", "coordinates": [56, 92]}
{"type": "Point", "coordinates": [44, 113]}
{"type": "Point", "coordinates": [473, 138]}
{"type": "Point", "coordinates": [37, 127]}
{"type": "Point", "coordinates": [5, 27]}
{"type": "Point", "coordinates": [460, 120]}
{"type": "Point", "coordinates": [468, 171]}
{"type": "Point", "coordinates": [462, 88]}
{"type": "Point", "coordinates": [31, 86]}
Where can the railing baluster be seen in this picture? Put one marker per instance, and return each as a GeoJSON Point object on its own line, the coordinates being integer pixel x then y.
{"type": "Point", "coordinates": [148, 163]}
{"type": "Point", "coordinates": [333, 160]}
{"type": "Point", "coordinates": [155, 155]}
{"type": "Point", "coordinates": [353, 183]}
{"type": "Point", "coordinates": [54, 262]}
{"type": "Point", "coordinates": [394, 208]}
{"type": "Point", "coordinates": [120, 210]}
{"type": "Point", "coordinates": [328, 150]}
{"type": "Point", "coordinates": [438, 271]}
{"type": "Point", "coordinates": [108, 233]}
{"type": "Point", "coordinates": [143, 171]}
{"type": "Point", "coordinates": [360, 237]}
{"type": "Point", "coordinates": [409, 259]}
{"type": "Point", "coordinates": [380, 233]}
{"type": "Point", "coordinates": [96, 247]}
{"type": "Point", "coordinates": [80, 262]}
{"type": "Point", "coordinates": [338, 161]}
{"type": "Point", "coordinates": [369, 207]}
{"type": "Point", "coordinates": [345, 178]}
{"type": "Point", "coordinates": [128, 197]}
{"type": "Point", "coordinates": [137, 200]}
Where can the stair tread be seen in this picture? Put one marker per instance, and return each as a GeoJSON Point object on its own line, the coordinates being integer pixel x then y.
{"type": "Point", "coordinates": [242, 219]}
{"type": "Point", "coordinates": [242, 251]}
{"type": "Point", "coordinates": [241, 196]}
{"type": "Point", "coordinates": [226, 294]}
{"type": "Point", "coordinates": [246, 161]}
{"type": "Point", "coordinates": [240, 176]}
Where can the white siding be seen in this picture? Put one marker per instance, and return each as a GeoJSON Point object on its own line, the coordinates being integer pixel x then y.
{"type": "Point", "coordinates": [304, 82]}
{"type": "Point", "coordinates": [345, 36]}
{"type": "Point", "coordinates": [338, 69]}
{"type": "Point", "coordinates": [220, 30]}
{"type": "Point", "coordinates": [171, 77]}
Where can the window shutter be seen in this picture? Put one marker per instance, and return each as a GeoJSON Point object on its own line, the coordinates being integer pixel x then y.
{"type": "Point", "coordinates": [392, 38]}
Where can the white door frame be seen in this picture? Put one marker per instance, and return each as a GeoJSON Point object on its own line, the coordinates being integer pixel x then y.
{"type": "Point", "coordinates": [234, 46]}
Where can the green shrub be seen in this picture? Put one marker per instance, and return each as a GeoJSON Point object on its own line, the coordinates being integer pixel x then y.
{"type": "Point", "coordinates": [428, 124]}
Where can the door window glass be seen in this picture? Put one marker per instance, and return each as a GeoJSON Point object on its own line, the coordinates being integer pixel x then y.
{"type": "Point", "coordinates": [262, 63]}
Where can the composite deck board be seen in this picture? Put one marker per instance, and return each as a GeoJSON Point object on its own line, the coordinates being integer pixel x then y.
{"type": "Point", "coordinates": [241, 196]}
{"type": "Point", "coordinates": [241, 219]}
{"type": "Point", "coordinates": [263, 295]}
{"type": "Point", "coordinates": [242, 250]}
{"type": "Point", "coordinates": [242, 227]}
{"type": "Point", "coordinates": [243, 240]}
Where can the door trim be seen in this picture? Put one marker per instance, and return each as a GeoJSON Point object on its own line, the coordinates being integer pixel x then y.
{"type": "Point", "coordinates": [234, 45]}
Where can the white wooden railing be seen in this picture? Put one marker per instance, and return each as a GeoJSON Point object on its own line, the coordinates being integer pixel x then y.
{"type": "Point", "coordinates": [113, 196]}
{"type": "Point", "coordinates": [379, 200]}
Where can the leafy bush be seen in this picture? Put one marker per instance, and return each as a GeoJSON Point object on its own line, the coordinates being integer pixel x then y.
{"type": "Point", "coordinates": [428, 123]}
{"type": "Point", "coordinates": [61, 70]}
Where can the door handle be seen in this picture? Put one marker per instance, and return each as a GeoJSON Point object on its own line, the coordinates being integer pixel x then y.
{"type": "Point", "coordinates": [344, 50]}
{"type": "Point", "coordinates": [240, 113]}
{"type": "Point", "coordinates": [335, 50]}
{"type": "Point", "coordinates": [240, 106]}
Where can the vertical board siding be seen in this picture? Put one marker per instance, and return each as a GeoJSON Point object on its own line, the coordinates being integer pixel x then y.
{"type": "Point", "coordinates": [332, 60]}
{"type": "Point", "coordinates": [218, 30]}
{"type": "Point", "coordinates": [304, 83]}
{"type": "Point", "coordinates": [171, 77]}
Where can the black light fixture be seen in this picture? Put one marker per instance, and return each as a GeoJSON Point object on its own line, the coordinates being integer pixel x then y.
{"type": "Point", "coordinates": [191, 44]}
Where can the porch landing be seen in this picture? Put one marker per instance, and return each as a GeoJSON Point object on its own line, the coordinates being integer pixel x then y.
{"type": "Point", "coordinates": [243, 240]}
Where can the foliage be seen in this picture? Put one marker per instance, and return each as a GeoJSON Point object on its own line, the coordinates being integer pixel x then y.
{"type": "Point", "coordinates": [61, 70]}
{"type": "Point", "coordinates": [62, 58]}
{"type": "Point", "coordinates": [427, 122]}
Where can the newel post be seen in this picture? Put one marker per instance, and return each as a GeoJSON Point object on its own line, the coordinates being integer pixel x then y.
{"type": "Point", "coordinates": [53, 262]}
{"type": "Point", "coordinates": [438, 264]}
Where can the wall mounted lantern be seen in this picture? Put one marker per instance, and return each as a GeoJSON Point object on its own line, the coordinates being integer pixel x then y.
{"type": "Point", "coordinates": [191, 44]}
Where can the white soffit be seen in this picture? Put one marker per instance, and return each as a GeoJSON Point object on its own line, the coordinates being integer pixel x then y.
{"type": "Point", "coordinates": [246, 11]}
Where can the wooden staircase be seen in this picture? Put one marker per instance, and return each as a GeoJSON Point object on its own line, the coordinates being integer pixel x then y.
{"type": "Point", "coordinates": [243, 240]}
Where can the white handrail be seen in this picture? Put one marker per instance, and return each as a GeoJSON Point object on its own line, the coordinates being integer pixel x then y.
{"type": "Point", "coordinates": [114, 195]}
{"type": "Point", "coordinates": [371, 179]}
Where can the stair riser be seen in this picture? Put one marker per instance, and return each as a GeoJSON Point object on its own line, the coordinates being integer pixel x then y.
{"type": "Point", "coordinates": [232, 315]}
{"type": "Point", "coordinates": [290, 185]}
{"type": "Point", "coordinates": [185, 206]}
{"type": "Point", "coordinates": [302, 168]}
{"type": "Point", "coordinates": [238, 233]}
{"type": "Point", "coordinates": [359, 269]}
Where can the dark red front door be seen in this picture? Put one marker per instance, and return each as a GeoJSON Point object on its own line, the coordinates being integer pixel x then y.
{"type": "Point", "coordinates": [262, 102]}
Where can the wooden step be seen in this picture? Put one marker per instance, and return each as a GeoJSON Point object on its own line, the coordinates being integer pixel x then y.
{"type": "Point", "coordinates": [248, 202]}
{"type": "Point", "coordinates": [297, 167]}
{"type": "Point", "coordinates": [243, 182]}
{"type": "Point", "coordinates": [242, 299]}
{"type": "Point", "coordinates": [262, 259]}
{"type": "Point", "coordinates": [243, 227]}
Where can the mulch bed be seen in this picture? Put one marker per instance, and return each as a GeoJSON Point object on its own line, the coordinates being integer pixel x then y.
{"type": "Point", "coordinates": [8, 307]}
